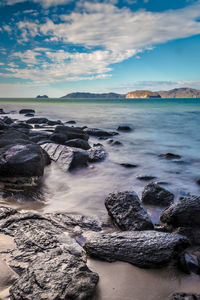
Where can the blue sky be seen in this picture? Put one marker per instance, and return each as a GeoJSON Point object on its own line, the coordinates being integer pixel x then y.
{"type": "Point", "coordinates": [55, 47]}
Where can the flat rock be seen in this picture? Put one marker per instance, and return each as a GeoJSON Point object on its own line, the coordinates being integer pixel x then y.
{"type": "Point", "coordinates": [99, 132]}
{"type": "Point", "coordinates": [37, 121]}
{"type": "Point", "coordinates": [185, 212]}
{"type": "Point", "coordinates": [144, 249]}
{"type": "Point", "coordinates": [153, 194]}
{"type": "Point", "coordinates": [170, 156]}
{"type": "Point", "coordinates": [127, 212]}
{"type": "Point", "coordinates": [67, 158]}
{"type": "Point", "coordinates": [124, 128]}
{"type": "Point", "coordinates": [97, 153]}
{"type": "Point", "coordinates": [27, 111]}
{"type": "Point", "coordinates": [146, 177]}
{"type": "Point", "coordinates": [128, 166]}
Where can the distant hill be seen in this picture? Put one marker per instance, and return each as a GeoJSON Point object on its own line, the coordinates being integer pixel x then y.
{"type": "Point", "coordinates": [180, 93]}
{"type": "Point", "coordinates": [44, 96]}
{"type": "Point", "coordinates": [142, 94]}
{"type": "Point", "coordinates": [93, 95]}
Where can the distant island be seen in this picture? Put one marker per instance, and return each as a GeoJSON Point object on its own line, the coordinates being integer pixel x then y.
{"type": "Point", "coordinates": [44, 96]}
{"type": "Point", "coordinates": [145, 94]}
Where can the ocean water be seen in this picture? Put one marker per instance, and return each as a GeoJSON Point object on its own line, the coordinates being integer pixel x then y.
{"type": "Point", "coordinates": [159, 126]}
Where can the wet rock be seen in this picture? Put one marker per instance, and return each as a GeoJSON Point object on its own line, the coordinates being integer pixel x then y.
{"type": "Point", "coordinates": [37, 121]}
{"type": "Point", "coordinates": [27, 111]}
{"type": "Point", "coordinates": [170, 156]}
{"type": "Point", "coordinates": [38, 137]}
{"type": "Point", "coordinates": [153, 194]}
{"type": "Point", "coordinates": [183, 296]}
{"type": "Point", "coordinates": [192, 233]}
{"type": "Point", "coordinates": [55, 275]}
{"type": "Point", "coordinates": [128, 166]}
{"type": "Point", "coordinates": [78, 143]}
{"type": "Point", "coordinates": [7, 120]}
{"type": "Point", "coordinates": [198, 181]}
{"type": "Point", "coordinates": [21, 124]}
{"type": "Point", "coordinates": [189, 262]}
{"type": "Point", "coordinates": [99, 132]}
{"type": "Point", "coordinates": [146, 178]}
{"type": "Point", "coordinates": [58, 138]}
{"type": "Point", "coordinates": [3, 125]}
{"type": "Point", "coordinates": [52, 123]}
{"type": "Point", "coordinates": [97, 153]}
{"type": "Point", "coordinates": [127, 212]}
{"type": "Point", "coordinates": [71, 132]}
{"type": "Point", "coordinates": [144, 249]}
{"type": "Point", "coordinates": [66, 157]}
{"type": "Point", "coordinates": [114, 143]}
{"type": "Point", "coordinates": [124, 128]}
{"type": "Point", "coordinates": [29, 115]}
{"type": "Point", "coordinates": [185, 212]}
{"type": "Point", "coordinates": [70, 122]}
{"type": "Point", "coordinates": [2, 112]}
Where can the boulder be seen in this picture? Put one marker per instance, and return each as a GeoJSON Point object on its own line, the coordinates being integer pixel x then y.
{"type": "Point", "coordinates": [170, 156]}
{"type": "Point", "coordinates": [3, 125]}
{"type": "Point", "coordinates": [127, 212]}
{"type": "Point", "coordinates": [70, 122]}
{"type": "Point", "coordinates": [58, 138]}
{"type": "Point", "coordinates": [97, 153]}
{"type": "Point", "coordinates": [128, 166]}
{"type": "Point", "coordinates": [114, 143]}
{"type": "Point", "coordinates": [185, 212]}
{"type": "Point", "coordinates": [7, 120]}
{"type": "Point", "coordinates": [78, 143]}
{"type": "Point", "coordinates": [189, 261]}
{"type": "Point", "coordinates": [153, 194]}
{"type": "Point", "coordinates": [124, 128]}
{"type": "Point", "coordinates": [37, 121]}
{"type": "Point", "coordinates": [183, 296]}
{"type": "Point", "coordinates": [99, 132]}
{"type": "Point", "coordinates": [146, 177]}
{"type": "Point", "coordinates": [52, 123]}
{"type": "Point", "coordinates": [27, 111]}
{"type": "Point", "coordinates": [66, 157]}
{"type": "Point", "coordinates": [144, 249]}
{"type": "Point", "coordinates": [2, 112]}
{"type": "Point", "coordinates": [29, 115]}
{"type": "Point", "coordinates": [21, 124]}
{"type": "Point", "coordinates": [71, 132]}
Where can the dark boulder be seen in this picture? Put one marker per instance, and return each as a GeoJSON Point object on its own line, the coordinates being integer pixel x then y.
{"type": "Point", "coordinates": [144, 249]}
{"type": "Point", "coordinates": [3, 125]}
{"type": "Point", "coordinates": [146, 177]}
{"type": "Point", "coordinates": [58, 138]}
{"type": "Point", "coordinates": [128, 166]}
{"type": "Point", "coordinates": [99, 132]}
{"type": "Point", "coordinates": [78, 143]}
{"type": "Point", "coordinates": [67, 158]}
{"type": "Point", "coordinates": [185, 212]}
{"type": "Point", "coordinates": [7, 120]}
{"type": "Point", "coordinates": [71, 132]}
{"type": "Point", "coordinates": [37, 121]}
{"type": "Point", "coordinates": [70, 122]}
{"type": "Point", "coordinates": [127, 212]}
{"type": "Point", "coordinates": [27, 111]}
{"type": "Point", "coordinates": [153, 194]}
{"type": "Point", "coordinates": [124, 128]}
{"type": "Point", "coordinates": [2, 112]}
{"type": "Point", "coordinates": [21, 124]}
{"type": "Point", "coordinates": [170, 156]}
{"type": "Point", "coordinates": [29, 115]}
{"type": "Point", "coordinates": [189, 261]}
{"type": "Point", "coordinates": [97, 153]}
{"type": "Point", "coordinates": [183, 296]}
{"type": "Point", "coordinates": [52, 123]}
{"type": "Point", "coordinates": [114, 143]}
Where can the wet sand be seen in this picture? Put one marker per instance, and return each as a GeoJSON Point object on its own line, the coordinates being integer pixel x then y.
{"type": "Point", "coordinates": [7, 275]}
{"type": "Point", "coordinates": [121, 280]}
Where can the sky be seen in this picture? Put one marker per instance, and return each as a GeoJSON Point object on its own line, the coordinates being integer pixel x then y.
{"type": "Point", "coordinates": [56, 47]}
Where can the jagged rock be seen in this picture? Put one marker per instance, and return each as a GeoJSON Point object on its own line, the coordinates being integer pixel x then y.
{"type": "Point", "coordinates": [183, 296]}
{"type": "Point", "coordinates": [127, 212]}
{"type": "Point", "coordinates": [170, 156]}
{"type": "Point", "coordinates": [37, 121]}
{"type": "Point", "coordinates": [55, 275]}
{"type": "Point", "coordinates": [185, 212]}
{"type": "Point", "coordinates": [78, 143]}
{"type": "Point", "coordinates": [97, 153]}
{"type": "Point", "coordinates": [71, 132]}
{"type": "Point", "coordinates": [99, 132]}
{"type": "Point", "coordinates": [124, 128]}
{"type": "Point", "coordinates": [153, 194]}
{"type": "Point", "coordinates": [67, 158]}
{"type": "Point", "coordinates": [144, 249]}
{"type": "Point", "coordinates": [27, 111]}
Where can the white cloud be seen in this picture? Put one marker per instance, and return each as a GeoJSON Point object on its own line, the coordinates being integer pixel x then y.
{"type": "Point", "coordinates": [7, 28]}
{"type": "Point", "coordinates": [44, 3]}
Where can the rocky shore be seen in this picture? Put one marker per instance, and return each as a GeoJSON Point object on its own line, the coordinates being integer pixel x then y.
{"type": "Point", "coordinates": [48, 258]}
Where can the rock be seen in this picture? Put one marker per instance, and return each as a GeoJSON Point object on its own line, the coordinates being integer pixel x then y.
{"type": "Point", "coordinates": [78, 143]}
{"type": "Point", "coordinates": [114, 143]}
{"type": "Point", "coordinates": [37, 121]}
{"type": "Point", "coordinates": [29, 115]}
{"type": "Point", "coordinates": [40, 136]}
{"type": "Point", "coordinates": [146, 177]}
{"type": "Point", "coordinates": [97, 153]}
{"type": "Point", "coordinates": [99, 132]}
{"type": "Point", "coordinates": [192, 233]}
{"type": "Point", "coordinates": [189, 262]}
{"type": "Point", "coordinates": [185, 212]}
{"type": "Point", "coordinates": [27, 111]}
{"type": "Point", "coordinates": [67, 158]}
{"type": "Point", "coordinates": [58, 138]}
{"type": "Point", "coordinates": [153, 194]}
{"type": "Point", "coordinates": [2, 112]}
{"type": "Point", "coordinates": [55, 275]}
{"type": "Point", "coordinates": [71, 132]}
{"type": "Point", "coordinates": [70, 122]}
{"type": "Point", "coordinates": [198, 181]}
{"type": "Point", "coordinates": [124, 128]}
{"type": "Point", "coordinates": [21, 124]}
{"type": "Point", "coordinates": [144, 249]}
{"type": "Point", "coordinates": [127, 212]}
{"type": "Point", "coordinates": [183, 296]}
{"type": "Point", "coordinates": [128, 166]}
{"type": "Point", "coordinates": [52, 123]}
{"type": "Point", "coordinates": [170, 156]}
{"type": "Point", "coordinates": [7, 120]}
{"type": "Point", "coordinates": [3, 125]}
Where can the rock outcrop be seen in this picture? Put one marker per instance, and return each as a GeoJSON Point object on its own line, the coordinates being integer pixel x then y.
{"type": "Point", "coordinates": [142, 94]}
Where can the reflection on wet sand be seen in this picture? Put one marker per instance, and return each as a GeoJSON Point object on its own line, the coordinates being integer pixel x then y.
{"type": "Point", "coordinates": [121, 280]}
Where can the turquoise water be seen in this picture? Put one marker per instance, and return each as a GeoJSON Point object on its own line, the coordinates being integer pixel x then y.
{"type": "Point", "coordinates": [159, 126]}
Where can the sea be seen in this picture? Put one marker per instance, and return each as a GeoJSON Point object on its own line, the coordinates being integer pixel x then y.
{"type": "Point", "coordinates": [159, 126]}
